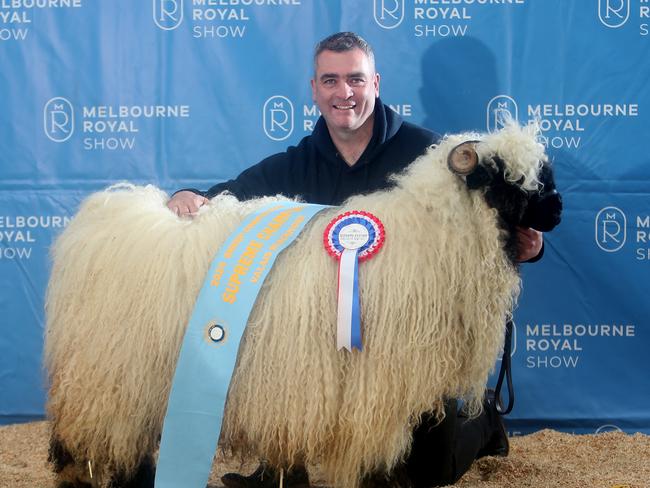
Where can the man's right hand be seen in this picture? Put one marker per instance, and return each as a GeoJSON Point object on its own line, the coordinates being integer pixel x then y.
{"type": "Point", "coordinates": [186, 203]}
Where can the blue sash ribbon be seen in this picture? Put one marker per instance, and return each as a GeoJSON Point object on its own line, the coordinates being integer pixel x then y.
{"type": "Point", "coordinates": [209, 351]}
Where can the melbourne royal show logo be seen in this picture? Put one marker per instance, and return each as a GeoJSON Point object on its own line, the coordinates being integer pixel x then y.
{"type": "Point", "coordinates": [610, 229]}
{"type": "Point", "coordinates": [58, 119]}
{"type": "Point", "coordinates": [388, 13]}
{"type": "Point", "coordinates": [278, 115]}
{"type": "Point", "coordinates": [168, 14]}
{"type": "Point", "coordinates": [608, 428]}
{"type": "Point", "coordinates": [500, 110]}
{"type": "Point", "coordinates": [613, 13]}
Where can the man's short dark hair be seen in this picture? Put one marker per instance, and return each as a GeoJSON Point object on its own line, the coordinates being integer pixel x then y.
{"type": "Point", "coordinates": [342, 42]}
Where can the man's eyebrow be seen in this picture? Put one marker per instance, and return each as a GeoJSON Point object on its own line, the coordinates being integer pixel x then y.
{"type": "Point", "coordinates": [356, 74]}
{"type": "Point", "coordinates": [325, 76]}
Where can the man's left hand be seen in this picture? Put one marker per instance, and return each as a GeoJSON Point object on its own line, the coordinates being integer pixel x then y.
{"type": "Point", "coordinates": [529, 243]}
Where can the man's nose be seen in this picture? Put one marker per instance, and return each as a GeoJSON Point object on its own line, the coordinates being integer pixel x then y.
{"type": "Point", "coordinates": [345, 90]}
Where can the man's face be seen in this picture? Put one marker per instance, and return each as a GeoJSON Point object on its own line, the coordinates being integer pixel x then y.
{"type": "Point", "coordinates": [344, 87]}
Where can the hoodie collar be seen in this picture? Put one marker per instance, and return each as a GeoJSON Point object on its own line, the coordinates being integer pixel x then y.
{"type": "Point", "coordinates": [387, 123]}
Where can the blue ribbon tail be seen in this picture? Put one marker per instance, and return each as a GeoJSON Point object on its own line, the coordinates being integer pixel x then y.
{"type": "Point", "coordinates": [356, 309]}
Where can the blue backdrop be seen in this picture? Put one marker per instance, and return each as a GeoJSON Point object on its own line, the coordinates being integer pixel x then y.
{"type": "Point", "coordinates": [186, 93]}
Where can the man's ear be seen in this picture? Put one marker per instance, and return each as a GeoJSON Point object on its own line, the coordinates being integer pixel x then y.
{"type": "Point", "coordinates": [313, 89]}
{"type": "Point", "coordinates": [376, 83]}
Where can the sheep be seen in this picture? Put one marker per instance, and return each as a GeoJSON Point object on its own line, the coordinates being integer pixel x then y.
{"type": "Point", "coordinates": [434, 301]}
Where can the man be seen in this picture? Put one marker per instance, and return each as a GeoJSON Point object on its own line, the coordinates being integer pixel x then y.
{"type": "Point", "coordinates": [357, 143]}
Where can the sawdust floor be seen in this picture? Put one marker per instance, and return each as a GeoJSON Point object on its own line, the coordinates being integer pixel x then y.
{"type": "Point", "coordinates": [544, 459]}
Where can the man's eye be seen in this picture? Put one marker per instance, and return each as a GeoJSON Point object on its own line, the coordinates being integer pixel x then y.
{"type": "Point", "coordinates": [357, 81]}
{"type": "Point", "coordinates": [329, 81]}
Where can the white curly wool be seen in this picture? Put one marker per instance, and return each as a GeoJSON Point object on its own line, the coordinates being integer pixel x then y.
{"type": "Point", "coordinates": [434, 303]}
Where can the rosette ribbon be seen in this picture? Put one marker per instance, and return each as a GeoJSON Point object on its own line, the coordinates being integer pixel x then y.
{"type": "Point", "coordinates": [351, 238]}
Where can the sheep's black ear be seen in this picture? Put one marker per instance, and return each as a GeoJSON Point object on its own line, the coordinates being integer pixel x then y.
{"type": "Point", "coordinates": [463, 159]}
{"type": "Point", "coordinates": [479, 178]}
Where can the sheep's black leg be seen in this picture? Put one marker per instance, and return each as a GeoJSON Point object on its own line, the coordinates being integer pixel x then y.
{"type": "Point", "coordinates": [142, 478]}
{"type": "Point", "coordinates": [60, 458]}
{"type": "Point", "coordinates": [58, 455]}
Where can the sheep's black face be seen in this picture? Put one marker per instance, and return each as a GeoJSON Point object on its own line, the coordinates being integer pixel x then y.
{"type": "Point", "coordinates": [539, 209]}
{"type": "Point", "coordinates": [508, 198]}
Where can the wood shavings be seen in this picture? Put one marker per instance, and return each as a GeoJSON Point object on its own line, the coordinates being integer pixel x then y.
{"type": "Point", "coordinates": [546, 459]}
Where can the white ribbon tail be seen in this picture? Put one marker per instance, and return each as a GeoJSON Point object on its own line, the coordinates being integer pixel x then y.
{"type": "Point", "coordinates": [346, 289]}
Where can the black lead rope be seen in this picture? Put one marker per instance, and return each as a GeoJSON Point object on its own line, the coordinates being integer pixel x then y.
{"type": "Point", "coordinates": [505, 371]}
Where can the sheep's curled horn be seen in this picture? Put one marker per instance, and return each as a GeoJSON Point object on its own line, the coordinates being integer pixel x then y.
{"type": "Point", "coordinates": [544, 206]}
{"type": "Point", "coordinates": [463, 159]}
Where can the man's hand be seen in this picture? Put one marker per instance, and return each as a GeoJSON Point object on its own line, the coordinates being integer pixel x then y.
{"type": "Point", "coordinates": [529, 243]}
{"type": "Point", "coordinates": [186, 203]}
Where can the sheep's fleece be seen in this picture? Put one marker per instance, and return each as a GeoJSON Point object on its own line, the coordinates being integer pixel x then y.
{"type": "Point", "coordinates": [434, 301]}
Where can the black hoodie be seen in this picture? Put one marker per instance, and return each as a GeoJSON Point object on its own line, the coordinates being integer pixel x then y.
{"type": "Point", "coordinates": [314, 171]}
